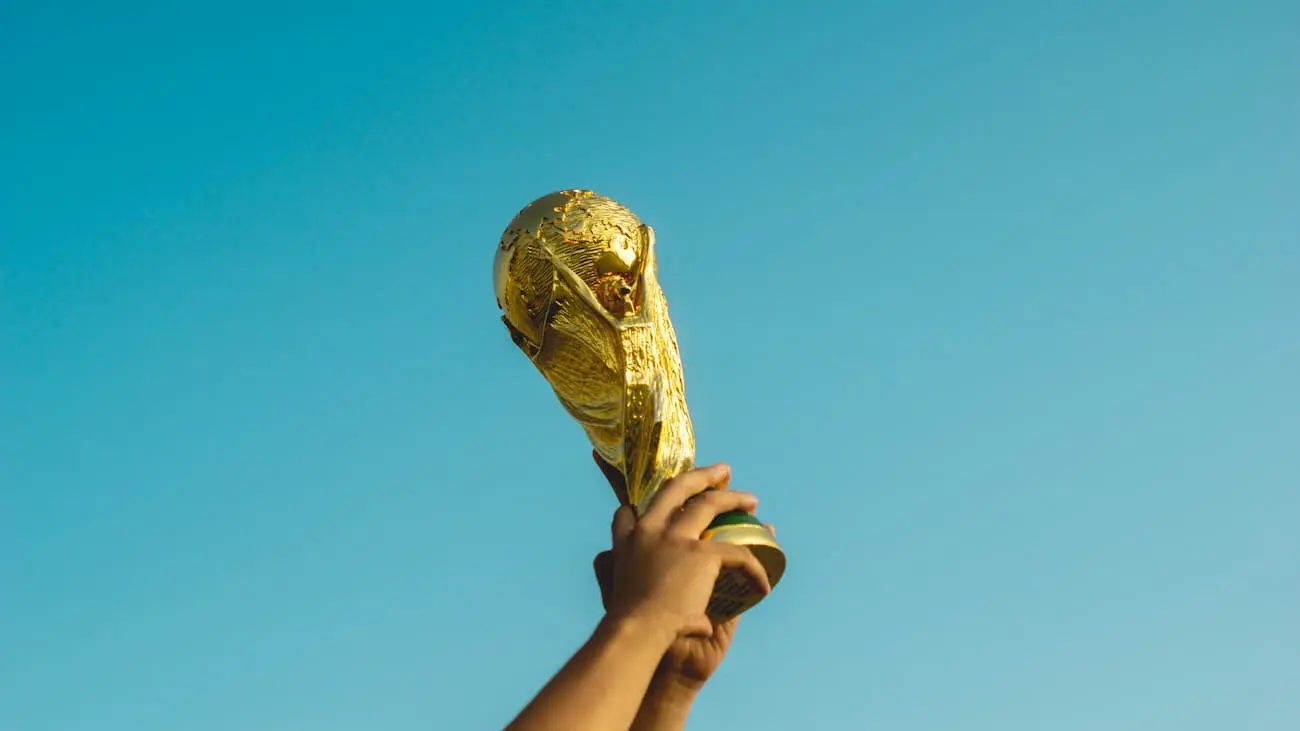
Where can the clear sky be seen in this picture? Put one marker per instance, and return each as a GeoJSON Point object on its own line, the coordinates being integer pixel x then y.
{"type": "Point", "coordinates": [993, 304]}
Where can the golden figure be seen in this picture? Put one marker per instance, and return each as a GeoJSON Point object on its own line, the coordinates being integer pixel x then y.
{"type": "Point", "coordinates": [576, 279]}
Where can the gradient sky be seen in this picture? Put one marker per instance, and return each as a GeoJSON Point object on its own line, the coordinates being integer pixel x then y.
{"type": "Point", "coordinates": [994, 305]}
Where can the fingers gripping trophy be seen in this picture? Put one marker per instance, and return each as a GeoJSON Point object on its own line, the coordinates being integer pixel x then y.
{"type": "Point", "coordinates": [576, 279]}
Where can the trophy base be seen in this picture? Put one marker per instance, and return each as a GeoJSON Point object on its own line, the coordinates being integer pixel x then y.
{"type": "Point", "coordinates": [734, 592]}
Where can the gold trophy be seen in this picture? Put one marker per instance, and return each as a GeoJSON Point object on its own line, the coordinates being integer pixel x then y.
{"type": "Point", "coordinates": [576, 278]}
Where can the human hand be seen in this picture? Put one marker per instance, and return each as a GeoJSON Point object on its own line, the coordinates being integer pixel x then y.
{"type": "Point", "coordinates": [660, 570]}
{"type": "Point", "coordinates": [691, 660]}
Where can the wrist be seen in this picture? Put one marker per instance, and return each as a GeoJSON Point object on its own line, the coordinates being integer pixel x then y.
{"type": "Point", "coordinates": [673, 689]}
{"type": "Point", "coordinates": [654, 631]}
{"type": "Point", "coordinates": [667, 704]}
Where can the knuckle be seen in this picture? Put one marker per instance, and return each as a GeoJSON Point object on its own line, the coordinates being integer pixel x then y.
{"type": "Point", "coordinates": [704, 501]}
{"type": "Point", "coordinates": [720, 498]}
{"type": "Point", "coordinates": [685, 478]}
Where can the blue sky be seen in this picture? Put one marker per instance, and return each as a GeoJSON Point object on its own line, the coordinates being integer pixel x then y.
{"type": "Point", "coordinates": [993, 305]}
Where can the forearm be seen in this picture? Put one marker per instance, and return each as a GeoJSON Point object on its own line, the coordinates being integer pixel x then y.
{"type": "Point", "coordinates": [602, 686]}
{"type": "Point", "coordinates": [666, 706]}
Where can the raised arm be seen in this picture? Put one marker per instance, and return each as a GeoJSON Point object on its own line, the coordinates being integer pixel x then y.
{"type": "Point", "coordinates": [663, 575]}
{"type": "Point", "coordinates": [689, 662]}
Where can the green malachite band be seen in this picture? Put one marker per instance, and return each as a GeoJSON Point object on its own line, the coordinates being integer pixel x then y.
{"type": "Point", "coordinates": [735, 517]}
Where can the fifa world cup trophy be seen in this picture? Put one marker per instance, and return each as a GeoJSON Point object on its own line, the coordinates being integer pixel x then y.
{"type": "Point", "coordinates": [577, 283]}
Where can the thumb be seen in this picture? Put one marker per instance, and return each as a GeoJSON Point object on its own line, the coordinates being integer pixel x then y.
{"type": "Point", "coordinates": [624, 522]}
